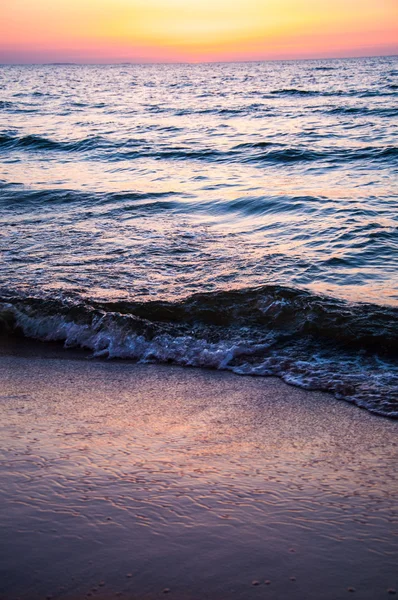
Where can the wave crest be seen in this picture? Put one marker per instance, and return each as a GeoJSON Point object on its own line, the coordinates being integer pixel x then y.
{"type": "Point", "coordinates": [255, 152]}
{"type": "Point", "coordinates": [311, 341]}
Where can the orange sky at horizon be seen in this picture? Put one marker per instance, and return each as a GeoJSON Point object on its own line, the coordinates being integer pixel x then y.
{"type": "Point", "coordinates": [194, 30]}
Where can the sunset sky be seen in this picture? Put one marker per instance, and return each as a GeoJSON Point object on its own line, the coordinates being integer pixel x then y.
{"type": "Point", "coordinates": [107, 31]}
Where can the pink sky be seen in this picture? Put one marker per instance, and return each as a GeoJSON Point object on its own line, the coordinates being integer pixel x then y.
{"type": "Point", "coordinates": [188, 30]}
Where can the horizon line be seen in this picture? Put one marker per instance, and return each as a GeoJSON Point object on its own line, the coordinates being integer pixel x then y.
{"type": "Point", "coordinates": [186, 62]}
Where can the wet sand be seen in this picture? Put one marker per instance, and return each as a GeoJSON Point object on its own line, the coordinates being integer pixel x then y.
{"type": "Point", "coordinates": [143, 482]}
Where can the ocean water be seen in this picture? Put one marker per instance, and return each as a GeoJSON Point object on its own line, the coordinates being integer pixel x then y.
{"type": "Point", "coordinates": [231, 216]}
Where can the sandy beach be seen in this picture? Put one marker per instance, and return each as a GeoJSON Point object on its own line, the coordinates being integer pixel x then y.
{"type": "Point", "coordinates": [136, 481]}
{"type": "Point", "coordinates": [198, 300]}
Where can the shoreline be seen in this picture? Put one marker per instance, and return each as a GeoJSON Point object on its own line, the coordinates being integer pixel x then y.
{"type": "Point", "coordinates": [17, 345]}
{"type": "Point", "coordinates": [126, 480]}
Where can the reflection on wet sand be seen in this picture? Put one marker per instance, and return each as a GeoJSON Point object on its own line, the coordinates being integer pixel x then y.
{"type": "Point", "coordinates": [128, 480]}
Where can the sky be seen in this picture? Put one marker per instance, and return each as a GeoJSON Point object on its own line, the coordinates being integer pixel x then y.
{"type": "Point", "coordinates": [112, 31]}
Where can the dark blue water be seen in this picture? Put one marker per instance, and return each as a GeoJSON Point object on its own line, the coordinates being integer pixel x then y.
{"type": "Point", "coordinates": [237, 216]}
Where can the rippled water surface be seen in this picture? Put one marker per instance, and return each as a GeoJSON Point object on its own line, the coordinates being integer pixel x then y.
{"type": "Point", "coordinates": [269, 189]}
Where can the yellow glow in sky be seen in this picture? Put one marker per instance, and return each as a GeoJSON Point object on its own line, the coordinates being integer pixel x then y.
{"type": "Point", "coordinates": [194, 30]}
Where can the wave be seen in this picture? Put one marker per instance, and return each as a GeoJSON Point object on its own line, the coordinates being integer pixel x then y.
{"type": "Point", "coordinates": [18, 108]}
{"type": "Point", "coordinates": [269, 153]}
{"type": "Point", "coordinates": [14, 195]}
{"type": "Point", "coordinates": [246, 152]}
{"type": "Point", "coordinates": [5, 105]}
{"type": "Point", "coordinates": [294, 92]}
{"type": "Point", "coordinates": [36, 142]}
{"type": "Point", "coordinates": [16, 198]}
{"type": "Point", "coordinates": [390, 91]}
{"type": "Point", "coordinates": [312, 341]}
{"type": "Point", "coordinates": [364, 111]}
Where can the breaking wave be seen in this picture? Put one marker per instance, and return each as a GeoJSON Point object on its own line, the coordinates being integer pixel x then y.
{"type": "Point", "coordinates": [311, 341]}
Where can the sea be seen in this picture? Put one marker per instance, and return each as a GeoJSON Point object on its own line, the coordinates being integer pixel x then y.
{"type": "Point", "coordinates": [227, 216]}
